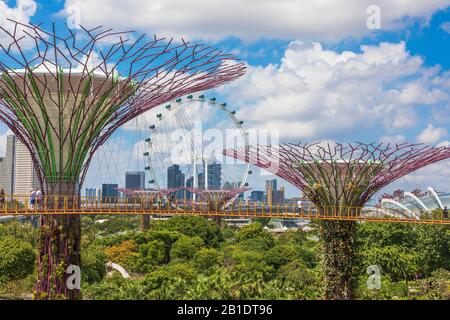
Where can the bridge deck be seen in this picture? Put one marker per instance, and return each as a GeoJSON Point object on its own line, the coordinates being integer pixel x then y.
{"type": "Point", "coordinates": [21, 206]}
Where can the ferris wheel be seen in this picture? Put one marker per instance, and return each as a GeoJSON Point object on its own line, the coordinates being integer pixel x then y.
{"type": "Point", "coordinates": [184, 147]}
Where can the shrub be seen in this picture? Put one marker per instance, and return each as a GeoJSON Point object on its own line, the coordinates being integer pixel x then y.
{"type": "Point", "coordinates": [124, 254]}
{"type": "Point", "coordinates": [301, 282]}
{"type": "Point", "coordinates": [115, 288]}
{"type": "Point", "coordinates": [151, 254]}
{"type": "Point", "coordinates": [185, 248]}
{"type": "Point", "coordinates": [93, 264]}
{"type": "Point", "coordinates": [280, 255]}
{"type": "Point", "coordinates": [192, 226]}
{"type": "Point", "coordinates": [255, 231]}
{"type": "Point", "coordinates": [207, 258]}
{"type": "Point", "coordinates": [16, 259]}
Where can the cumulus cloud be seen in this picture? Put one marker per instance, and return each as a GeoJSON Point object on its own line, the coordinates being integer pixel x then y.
{"type": "Point", "coordinates": [398, 138]}
{"type": "Point", "coordinates": [316, 93]}
{"type": "Point", "coordinates": [446, 26]}
{"type": "Point", "coordinates": [431, 134]}
{"type": "Point", "coordinates": [328, 20]}
{"type": "Point", "coordinates": [444, 144]}
{"type": "Point", "coordinates": [435, 175]}
{"type": "Point", "coordinates": [22, 12]}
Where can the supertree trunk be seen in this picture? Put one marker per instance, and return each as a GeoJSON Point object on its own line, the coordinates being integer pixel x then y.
{"type": "Point", "coordinates": [338, 258]}
{"type": "Point", "coordinates": [144, 223]}
{"type": "Point", "coordinates": [217, 220]}
{"type": "Point", "coordinates": [59, 245]}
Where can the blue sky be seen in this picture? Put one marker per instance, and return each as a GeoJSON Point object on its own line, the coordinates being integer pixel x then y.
{"type": "Point", "coordinates": [315, 72]}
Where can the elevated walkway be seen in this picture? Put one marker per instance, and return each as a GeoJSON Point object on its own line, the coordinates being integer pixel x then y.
{"type": "Point", "coordinates": [21, 206]}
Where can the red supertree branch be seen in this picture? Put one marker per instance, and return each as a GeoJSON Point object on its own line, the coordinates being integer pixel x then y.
{"type": "Point", "coordinates": [75, 88]}
{"type": "Point", "coordinates": [334, 174]}
{"type": "Point", "coordinates": [217, 199]}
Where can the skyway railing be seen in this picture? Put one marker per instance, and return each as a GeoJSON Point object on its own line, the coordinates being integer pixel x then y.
{"type": "Point", "coordinates": [52, 205]}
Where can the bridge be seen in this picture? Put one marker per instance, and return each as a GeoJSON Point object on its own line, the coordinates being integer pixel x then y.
{"type": "Point", "coordinates": [20, 206]}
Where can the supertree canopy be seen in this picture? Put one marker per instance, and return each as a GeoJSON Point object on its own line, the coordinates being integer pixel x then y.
{"type": "Point", "coordinates": [63, 93]}
{"type": "Point", "coordinates": [217, 200]}
{"type": "Point", "coordinates": [338, 176]}
{"type": "Point", "coordinates": [333, 174]}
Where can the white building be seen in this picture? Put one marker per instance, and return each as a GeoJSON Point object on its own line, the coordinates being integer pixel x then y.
{"type": "Point", "coordinates": [17, 173]}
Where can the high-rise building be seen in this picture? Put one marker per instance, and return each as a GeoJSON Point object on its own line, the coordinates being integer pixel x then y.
{"type": "Point", "coordinates": [93, 192]}
{"type": "Point", "coordinates": [110, 192]}
{"type": "Point", "coordinates": [17, 173]}
{"type": "Point", "coordinates": [214, 177]}
{"type": "Point", "coordinates": [175, 179]}
{"type": "Point", "coordinates": [257, 196]}
{"type": "Point", "coordinates": [7, 166]}
{"type": "Point", "coordinates": [189, 183]}
{"type": "Point", "coordinates": [2, 171]}
{"type": "Point", "coordinates": [135, 180]}
{"type": "Point", "coordinates": [25, 177]}
{"type": "Point", "coordinates": [278, 196]}
{"type": "Point", "coordinates": [271, 186]}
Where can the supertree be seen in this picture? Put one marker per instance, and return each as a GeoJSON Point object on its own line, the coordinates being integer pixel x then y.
{"type": "Point", "coordinates": [150, 198]}
{"type": "Point", "coordinates": [217, 200]}
{"type": "Point", "coordinates": [63, 93]}
{"type": "Point", "coordinates": [337, 177]}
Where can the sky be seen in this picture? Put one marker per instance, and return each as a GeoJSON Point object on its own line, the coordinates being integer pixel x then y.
{"type": "Point", "coordinates": [316, 71]}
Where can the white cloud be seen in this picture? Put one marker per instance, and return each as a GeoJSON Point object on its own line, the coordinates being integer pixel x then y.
{"type": "Point", "coordinates": [431, 134]}
{"type": "Point", "coordinates": [446, 26]}
{"type": "Point", "coordinates": [444, 144]}
{"type": "Point", "coordinates": [398, 138]}
{"type": "Point", "coordinates": [316, 93]}
{"type": "Point", "coordinates": [22, 12]}
{"type": "Point", "coordinates": [435, 175]}
{"type": "Point", "coordinates": [251, 19]}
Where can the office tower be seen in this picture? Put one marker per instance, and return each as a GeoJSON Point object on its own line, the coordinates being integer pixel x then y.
{"type": "Point", "coordinates": [25, 177]}
{"type": "Point", "coordinates": [257, 196]}
{"type": "Point", "coordinates": [110, 192]}
{"type": "Point", "coordinates": [271, 186]}
{"type": "Point", "coordinates": [17, 174]}
{"type": "Point", "coordinates": [175, 179]}
{"type": "Point", "coordinates": [93, 192]}
{"type": "Point", "coordinates": [7, 171]}
{"type": "Point", "coordinates": [278, 196]}
{"type": "Point", "coordinates": [189, 184]}
{"type": "Point", "coordinates": [214, 177]}
{"type": "Point", "coordinates": [2, 171]}
{"type": "Point", "coordinates": [135, 180]}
